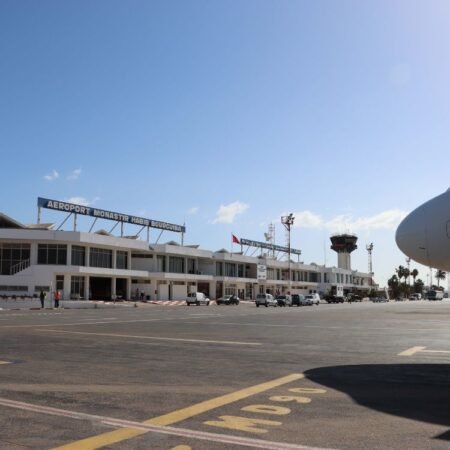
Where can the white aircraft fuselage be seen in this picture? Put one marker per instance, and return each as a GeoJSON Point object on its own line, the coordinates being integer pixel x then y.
{"type": "Point", "coordinates": [424, 235]}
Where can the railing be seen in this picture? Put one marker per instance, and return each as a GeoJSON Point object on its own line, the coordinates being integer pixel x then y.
{"type": "Point", "coordinates": [22, 265]}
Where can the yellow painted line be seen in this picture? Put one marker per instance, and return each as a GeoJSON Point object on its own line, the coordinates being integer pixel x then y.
{"type": "Point", "coordinates": [5, 362]}
{"type": "Point", "coordinates": [411, 351]}
{"type": "Point", "coordinates": [156, 338]}
{"type": "Point", "coordinates": [123, 434]}
{"type": "Point", "coordinates": [181, 447]}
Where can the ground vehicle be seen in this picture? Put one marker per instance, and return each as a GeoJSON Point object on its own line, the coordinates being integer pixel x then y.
{"type": "Point", "coordinates": [313, 299]}
{"type": "Point", "coordinates": [265, 300]}
{"type": "Point", "coordinates": [197, 298]}
{"type": "Point", "coordinates": [334, 299]}
{"type": "Point", "coordinates": [298, 300]}
{"type": "Point", "coordinates": [284, 300]}
{"type": "Point", "coordinates": [354, 298]}
{"type": "Point", "coordinates": [413, 297]}
{"type": "Point", "coordinates": [228, 300]}
{"type": "Point", "coordinates": [379, 299]}
{"type": "Point", "coordinates": [435, 295]}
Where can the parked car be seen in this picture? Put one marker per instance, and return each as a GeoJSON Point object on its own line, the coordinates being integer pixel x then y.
{"type": "Point", "coordinates": [228, 300]}
{"type": "Point", "coordinates": [354, 298]}
{"type": "Point", "coordinates": [414, 297]}
{"type": "Point", "coordinates": [379, 299]}
{"type": "Point", "coordinates": [313, 299]}
{"type": "Point", "coordinates": [197, 298]}
{"type": "Point", "coordinates": [297, 300]}
{"type": "Point", "coordinates": [334, 299]}
{"type": "Point", "coordinates": [265, 300]}
{"type": "Point", "coordinates": [284, 300]}
{"type": "Point", "coordinates": [435, 295]}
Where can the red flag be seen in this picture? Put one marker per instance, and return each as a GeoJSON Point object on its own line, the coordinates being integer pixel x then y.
{"type": "Point", "coordinates": [234, 239]}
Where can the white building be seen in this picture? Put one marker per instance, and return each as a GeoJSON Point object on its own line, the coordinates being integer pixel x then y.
{"type": "Point", "coordinates": [98, 265]}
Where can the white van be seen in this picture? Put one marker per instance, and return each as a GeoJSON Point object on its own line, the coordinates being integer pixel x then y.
{"type": "Point", "coordinates": [265, 300]}
{"type": "Point", "coordinates": [197, 298]}
{"type": "Point", "coordinates": [313, 299]}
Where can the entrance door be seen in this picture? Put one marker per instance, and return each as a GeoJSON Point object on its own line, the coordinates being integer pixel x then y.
{"type": "Point", "coordinates": [100, 288]}
{"type": "Point", "coordinates": [203, 287]}
{"type": "Point", "coordinates": [121, 288]}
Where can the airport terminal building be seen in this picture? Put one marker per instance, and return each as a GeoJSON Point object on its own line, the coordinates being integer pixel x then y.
{"type": "Point", "coordinates": [98, 265]}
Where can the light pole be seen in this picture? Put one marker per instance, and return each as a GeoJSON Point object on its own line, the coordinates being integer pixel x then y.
{"type": "Point", "coordinates": [288, 221]}
{"type": "Point", "coordinates": [408, 262]}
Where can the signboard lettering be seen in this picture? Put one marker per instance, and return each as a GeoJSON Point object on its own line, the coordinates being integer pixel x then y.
{"type": "Point", "coordinates": [277, 248]}
{"type": "Point", "coordinates": [109, 215]}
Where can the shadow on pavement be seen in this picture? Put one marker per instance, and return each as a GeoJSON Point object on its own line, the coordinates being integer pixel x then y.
{"type": "Point", "coordinates": [414, 391]}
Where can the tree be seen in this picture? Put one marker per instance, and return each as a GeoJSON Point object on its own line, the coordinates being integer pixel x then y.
{"type": "Point", "coordinates": [440, 275]}
{"type": "Point", "coordinates": [414, 274]}
{"type": "Point", "coordinates": [400, 272]}
{"type": "Point", "coordinates": [394, 285]}
{"type": "Point", "coordinates": [418, 286]}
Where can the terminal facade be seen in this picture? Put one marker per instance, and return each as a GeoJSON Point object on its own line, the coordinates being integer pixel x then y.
{"type": "Point", "coordinates": [100, 266]}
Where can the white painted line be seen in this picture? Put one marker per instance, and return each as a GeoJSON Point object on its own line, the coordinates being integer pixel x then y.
{"type": "Point", "coordinates": [205, 315]}
{"type": "Point", "coordinates": [436, 351]}
{"type": "Point", "coordinates": [183, 432]}
{"type": "Point", "coordinates": [411, 351]}
{"type": "Point", "coordinates": [321, 327]}
{"type": "Point", "coordinates": [157, 338]}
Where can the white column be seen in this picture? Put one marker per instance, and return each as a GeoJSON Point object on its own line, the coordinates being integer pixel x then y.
{"type": "Point", "coordinates": [113, 288]}
{"type": "Point", "coordinates": [86, 288]}
{"type": "Point", "coordinates": [69, 256]}
{"type": "Point", "coordinates": [128, 289]}
{"type": "Point", "coordinates": [33, 253]}
{"type": "Point", "coordinates": [66, 292]}
{"type": "Point", "coordinates": [212, 290]}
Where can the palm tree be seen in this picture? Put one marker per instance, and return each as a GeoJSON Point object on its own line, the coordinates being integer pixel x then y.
{"type": "Point", "coordinates": [394, 285]}
{"type": "Point", "coordinates": [400, 272]}
{"type": "Point", "coordinates": [414, 274]}
{"type": "Point", "coordinates": [406, 274]}
{"type": "Point", "coordinates": [440, 275]}
{"type": "Point", "coordinates": [418, 286]}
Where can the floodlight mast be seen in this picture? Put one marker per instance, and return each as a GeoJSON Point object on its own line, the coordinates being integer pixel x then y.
{"type": "Point", "coordinates": [288, 221]}
{"type": "Point", "coordinates": [369, 248]}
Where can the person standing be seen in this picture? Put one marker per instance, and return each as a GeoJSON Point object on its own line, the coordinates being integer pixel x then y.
{"type": "Point", "coordinates": [57, 298]}
{"type": "Point", "coordinates": [41, 298]}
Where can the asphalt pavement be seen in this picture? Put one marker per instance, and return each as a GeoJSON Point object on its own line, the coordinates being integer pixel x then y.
{"type": "Point", "coordinates": [346, 376]}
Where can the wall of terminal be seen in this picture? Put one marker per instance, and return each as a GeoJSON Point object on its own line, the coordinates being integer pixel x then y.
{"type": "Point", "coordinates": [164, 271]}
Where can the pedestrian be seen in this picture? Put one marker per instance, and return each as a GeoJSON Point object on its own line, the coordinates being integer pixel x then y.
{"type": "Point", "coordinates": [57, 298]}
{"type": "Point", "coordinates": [42, 297]}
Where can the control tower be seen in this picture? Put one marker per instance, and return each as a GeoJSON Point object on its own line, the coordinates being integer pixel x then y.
{"type": "Point", "coordinates": [344, 244]}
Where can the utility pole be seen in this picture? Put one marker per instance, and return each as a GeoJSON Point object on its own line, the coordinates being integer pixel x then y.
{"type": "Point", "coordinates": [288, 221]}
{"type": "Point", "coordinates": [369, 249]}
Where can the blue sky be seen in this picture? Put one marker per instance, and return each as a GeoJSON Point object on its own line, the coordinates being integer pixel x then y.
{"type": "Point", "coordinates": [227, 114]}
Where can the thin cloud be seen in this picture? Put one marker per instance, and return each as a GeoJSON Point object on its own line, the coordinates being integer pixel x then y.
{"type": "Point", "coordinates": [52, 176]}
{"type": "Point", "coordinates": [386, 220]}
{"type": "Point", "coordinates": [227, 213]}
{"type": "Point", "coordinates": [193, 210]}
{"type": "Point", "coordinates": [82, 201]}
{"type": "Point", "coordinates": [74, 175]}
{"type": "Point", "coordinates": [307, 219]}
